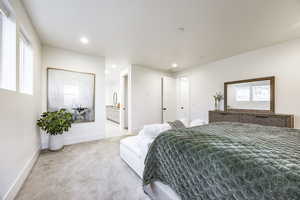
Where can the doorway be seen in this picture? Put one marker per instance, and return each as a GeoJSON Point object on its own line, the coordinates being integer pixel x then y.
{"type": "Point", "coordinates": [183, 99]}
{"type": "Point", "coordinates": [168, 99]}
{"type": "Point", "coordinates": [113, 100]}
{"type": "Point", "coordinates": [124, 108]}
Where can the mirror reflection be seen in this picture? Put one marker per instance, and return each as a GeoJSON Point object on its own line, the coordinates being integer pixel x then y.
{"type": "Point", "coordinates": [249, 96]}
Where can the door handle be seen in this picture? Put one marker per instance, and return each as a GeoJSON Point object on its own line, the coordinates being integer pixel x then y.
{"type": "Point", "coordinates": [164, 108]}
{"type": "Point", "coordinates": [182, 107]}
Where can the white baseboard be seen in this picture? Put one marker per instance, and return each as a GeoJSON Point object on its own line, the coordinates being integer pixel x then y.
{"type": "Point", "coordinates": [19, 181]}
{"type": "Point", "coordinates": [74, 139]}
{"type": "Point", "coordinates": [82, 138]}
{"type": "Point", "coordinates": [136, 130]}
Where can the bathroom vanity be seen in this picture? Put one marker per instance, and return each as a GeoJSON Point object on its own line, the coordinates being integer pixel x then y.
{"type": "Point", "coordinates": [113, 114]}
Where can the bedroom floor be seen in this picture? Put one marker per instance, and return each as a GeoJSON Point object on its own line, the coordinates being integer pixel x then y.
{"type": "Point", "coordinates": [84, 171]}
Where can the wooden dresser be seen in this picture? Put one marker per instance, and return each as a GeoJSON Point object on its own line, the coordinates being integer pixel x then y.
{"type": "Point", "coordinates": [265, 119]}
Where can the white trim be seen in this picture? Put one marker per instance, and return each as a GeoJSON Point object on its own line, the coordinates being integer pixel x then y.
{"type": "Point", "coordinates": [19, 181]}
{"type": "Point", "coordinates": [23, 37]}
{"type": "Point", "coordinates": [68, 140]}
{"type": "Point", "coordinates": [82, 138]}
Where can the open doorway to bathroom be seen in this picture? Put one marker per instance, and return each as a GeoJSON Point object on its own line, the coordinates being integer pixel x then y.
{"type": "Point", "coordinates": [124, 101]}
{"type": "Point", "coordinates": [113, 101]}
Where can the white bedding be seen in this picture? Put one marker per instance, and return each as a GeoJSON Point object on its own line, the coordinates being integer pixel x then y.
{"type": "Point", "coordinates": [159, 191]}
{"type": "Point", "coordinates": [153, 130]}
{"type": "Point", "coordinates": [133, 151]}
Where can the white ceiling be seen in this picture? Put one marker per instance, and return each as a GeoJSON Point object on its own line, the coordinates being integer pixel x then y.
{"type": "Point", "coordinates": [146, 31]}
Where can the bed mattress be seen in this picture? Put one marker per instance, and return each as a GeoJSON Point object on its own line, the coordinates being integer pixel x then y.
{"type": "Point", "coordinates": [132, 154]}
{"type": "Point", "coordinates": [133, 151]}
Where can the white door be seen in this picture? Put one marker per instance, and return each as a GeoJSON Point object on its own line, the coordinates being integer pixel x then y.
{"type": "Point", "coordinates": [125, 102]}
{"type": "Point", "coordinates": [183, 99]}
{"type": "Point", "coordinates": [124, 123]}
{"type": "Point", "coordinates": [168, 99]}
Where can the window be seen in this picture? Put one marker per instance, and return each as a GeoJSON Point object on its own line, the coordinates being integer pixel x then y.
{"type": "Point", "coordinates": [261, 92]}
{"type": "Point", "coordinates": [70, 95]}
{"type": "Point", "coordinates": [25, 66]}
{"type": "Point", "coordinates": [242, 93]}
{"type": "Point", "coordinates": [7, 52]}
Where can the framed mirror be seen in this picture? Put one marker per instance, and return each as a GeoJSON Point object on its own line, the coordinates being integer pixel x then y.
{"type": "Point", "coordinates": [252, 95]}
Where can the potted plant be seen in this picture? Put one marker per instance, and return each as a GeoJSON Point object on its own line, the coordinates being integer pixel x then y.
{"type": "Point", "coordinates": [55, 124]}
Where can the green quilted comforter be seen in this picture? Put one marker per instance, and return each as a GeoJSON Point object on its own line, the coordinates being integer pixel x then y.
{"type": "Point", "coordinates": [231, 161]}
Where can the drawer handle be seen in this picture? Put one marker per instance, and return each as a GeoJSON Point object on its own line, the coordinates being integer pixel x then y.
{"type": "Point", "coordinates": [224, 113]}
{"type": "Point", "coordinates": [261, 116]}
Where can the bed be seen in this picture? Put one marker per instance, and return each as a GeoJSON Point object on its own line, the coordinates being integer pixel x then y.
{"type": "Point", "coordinates": [225, 161]}
{"type": "Point", "coordinates": [133, 151]}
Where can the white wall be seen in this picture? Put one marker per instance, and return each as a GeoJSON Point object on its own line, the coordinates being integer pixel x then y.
{"type": "Point", "coordinates": [145, 101]}
{"type": "Point", "coordinates": [281, 61]}
{"type": "Point", "coordinates": [63, 59]}
{"type": "Point", "coordinates": [20, 137]}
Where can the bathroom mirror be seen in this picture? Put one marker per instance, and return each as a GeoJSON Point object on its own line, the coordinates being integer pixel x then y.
{"type": "Point", "coordinates": [252, 95]}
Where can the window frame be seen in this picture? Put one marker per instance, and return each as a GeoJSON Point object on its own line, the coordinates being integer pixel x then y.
{"type": "Point", "coordinates": [8, 83]}
{"type": "Point", "coordinates": [23, 44]}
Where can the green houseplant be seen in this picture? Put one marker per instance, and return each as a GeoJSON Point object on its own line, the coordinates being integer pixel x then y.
{"type": "Point", "coordinates": [55, 124]}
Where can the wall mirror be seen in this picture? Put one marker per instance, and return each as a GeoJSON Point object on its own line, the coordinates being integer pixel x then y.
{"type": "Point", "coordinates": [252, 95]}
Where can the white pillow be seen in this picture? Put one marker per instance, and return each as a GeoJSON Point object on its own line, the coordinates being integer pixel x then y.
{"type": "Point", "coordinates": [197, 122]}
{"type": "Point", "coordinates": [153, 130]}
{"type": "Point", "coordinates": [185, 122]}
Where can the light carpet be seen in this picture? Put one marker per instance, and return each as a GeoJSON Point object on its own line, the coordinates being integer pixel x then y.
{"type": "Point", "coordinates": [85, 171]}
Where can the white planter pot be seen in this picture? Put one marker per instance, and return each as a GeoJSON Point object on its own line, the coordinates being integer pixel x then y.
{"type": "Point", "coordinates": [56, 142]}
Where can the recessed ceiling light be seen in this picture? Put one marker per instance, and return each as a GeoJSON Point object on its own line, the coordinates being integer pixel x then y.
{"type": "Point", "coordinates": [84, 40]}
{"type": "Point", "coordinates": [113, 66]}
{"type": "Point", "coordinates": [174, 65]}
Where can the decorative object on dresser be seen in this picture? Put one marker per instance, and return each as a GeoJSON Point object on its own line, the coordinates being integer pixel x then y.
{"type": "Point", "coordinates": [218, 97]}
{"type": "Point", "coordinates": [266, 119]}
{"type": "Point", "coordinates": [251, 95]}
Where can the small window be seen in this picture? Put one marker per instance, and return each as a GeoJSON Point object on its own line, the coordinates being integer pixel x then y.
{"type": "Point", "coordinates": [261, 92]}
{"type": "Point", "coordinates": [7, 53]}
{"type": "Point", "coordinates": [70, 95]}
{"type": "Point", "coordinates": [25, 66]}
{"type": "Point", "coordinates": [242, 93]}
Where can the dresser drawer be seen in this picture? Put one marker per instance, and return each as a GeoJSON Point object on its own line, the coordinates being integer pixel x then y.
{"type": "Point", "coordinates": [279, 120]}
{"type": "Point", "coordinates": [223, 117]}
{"type": "Point", "coordinates": [264, 120]}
